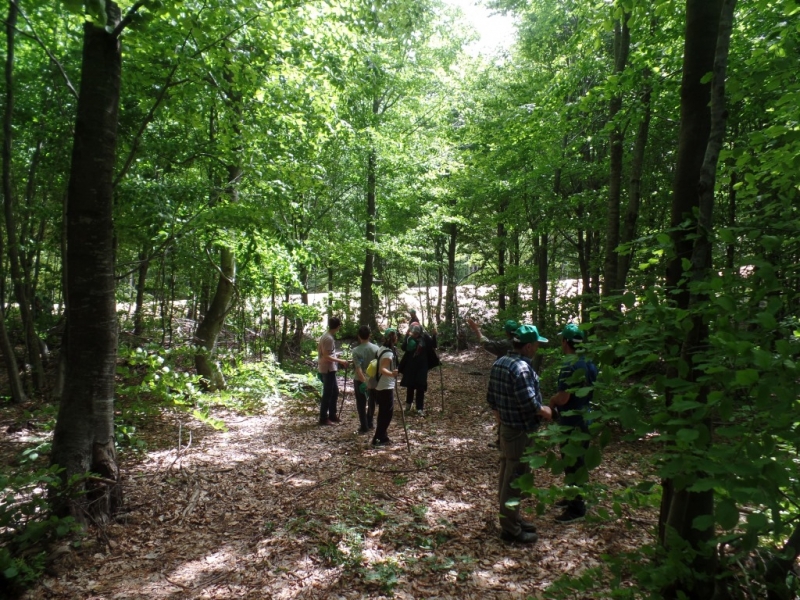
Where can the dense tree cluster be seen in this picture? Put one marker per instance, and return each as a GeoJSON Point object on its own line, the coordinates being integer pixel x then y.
{"type": "Point", "coordinates": [215, 163]}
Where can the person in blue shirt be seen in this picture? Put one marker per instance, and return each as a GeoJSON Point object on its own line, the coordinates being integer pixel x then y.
{"type": "Point", "coordinates": [572, 410]}
{"type": "Point", "coordinates": [516, 401]}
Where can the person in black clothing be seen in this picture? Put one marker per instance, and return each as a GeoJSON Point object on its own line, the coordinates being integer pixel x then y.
{"type": "Point", "coordinates": [415, 365]}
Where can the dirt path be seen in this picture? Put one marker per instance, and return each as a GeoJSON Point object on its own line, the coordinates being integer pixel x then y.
{"type": "Point", "coordinates": [277, 507]}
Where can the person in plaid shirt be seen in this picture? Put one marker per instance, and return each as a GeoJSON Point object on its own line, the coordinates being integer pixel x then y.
{"type": "Point", "coordinates": [516, 401]}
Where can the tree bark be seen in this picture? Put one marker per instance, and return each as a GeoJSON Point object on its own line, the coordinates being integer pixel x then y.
{"type": "Point", "coordinates": [542, 266]}
{"type": "Point", "coordinates": [32, 342]}
{"type": "Point", "coordinates": [450, 294]}
{"type": "Point", "coordinates": [635, 191]}
{"type": "Point", "coordinates": [622, 43]}
{"type": "Point", "coordinates": [702, 21]}
{"type": "Point", "coordinates": [685, 506]}
{"type": "Point", "coordinates": [138, 313]}
{"type": "Point", "coordinates": [501, 260]}
{"type": "Point", "coordinates": [367, 315]}
{"type": "Point", "coordinates": [84, 434]}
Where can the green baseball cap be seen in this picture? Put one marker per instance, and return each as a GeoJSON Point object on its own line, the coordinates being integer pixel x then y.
{"type": "Point", "coordinates": [528, 334]}
{"type": "Point", "coordinates": [572, 332]}
{"type": "Point", "coordinates": [510, 326]}
{"type": "Point", "coordinates": [389, 330]}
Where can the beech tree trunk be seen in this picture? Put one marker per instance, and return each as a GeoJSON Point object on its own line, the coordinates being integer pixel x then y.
{"type": "Point", "coordinates": [138, 313]}
{"type": "Point", "coordinates": [680, 507]}
{"type": "Point", "coordinates": [367, 314]}
{"type": "Point", "coordinates": [628, 233]}
{"type": "Point", "coordinates": [450, 294]}
{"type": "Point", "coordinates": [622, 43]}
{"type": "Point", "coordinates": [84, 434]}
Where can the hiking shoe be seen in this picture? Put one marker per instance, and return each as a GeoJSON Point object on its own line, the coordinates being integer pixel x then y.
{"type": "Point", "coordinates": [523, 537]}
{"type": "Point", "coordinates": [363, 430]}
{"type": "Point", "coordinates": [421, 413]}
{"type": "Point", "coordinates": [408, 408]}
{"type": "Point", "coordinates": [335, 419]}
{"type": "Point", "coordinates": [527, 526]}
{"type": "Point", "coordinates": [378, 443]}
{"type": "Point", "coordinates": [327, 422]}
{"type": "Point", "coordinates": [569, 517]}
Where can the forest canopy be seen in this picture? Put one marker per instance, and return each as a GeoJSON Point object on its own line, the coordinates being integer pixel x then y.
{"type": "Point", "coordinates": [205, 183]}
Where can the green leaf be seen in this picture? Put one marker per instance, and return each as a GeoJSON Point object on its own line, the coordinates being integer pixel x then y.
{"type": "Point", "coordinates": [703, 522]}
{"type": "Point", "coordinates": [746, 377]}
{"type": "Point", "coordinates": [727, 515]}
{"type": "Point", "coordinates": [593, 457]}
{"type": "Point", "coordinates": [688, 435]}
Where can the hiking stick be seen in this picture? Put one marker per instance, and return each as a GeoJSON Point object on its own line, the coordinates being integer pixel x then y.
{"type": "Point", "coordinates": [344, 395]}
{"type": "Point", "coordinates": [402, 415]}
{"type": "Point", "coordinates": [441, 383]}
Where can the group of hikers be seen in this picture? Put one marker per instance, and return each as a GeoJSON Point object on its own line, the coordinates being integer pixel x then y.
{"type": "Point", "coordinates": [514, 397]}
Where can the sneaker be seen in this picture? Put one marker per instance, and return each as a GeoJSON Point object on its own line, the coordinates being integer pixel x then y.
{"type": "Point", "coordinates": [569, 517]}
{"type": "Point", "coordinates": [523, 537]}
{"type": "Point", "coordinates": [421, 413]}
{"type": "Point", "coordinates": [379, 443]}
{"type": "Point", "coordinates": [408, 408]}
{"type": "Point", "coordinates": [327, 422]}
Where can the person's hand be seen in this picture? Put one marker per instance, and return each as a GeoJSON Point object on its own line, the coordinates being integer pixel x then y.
{"type": "Point", "coordinates": [546, 413]}
{"type": "Point", "coordinates": [395, 373]}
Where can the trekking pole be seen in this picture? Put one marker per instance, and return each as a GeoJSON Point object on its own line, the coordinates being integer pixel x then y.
{"type": "Point", "coordinates": [441, 383]}
{"type": "Point", "coordinates": [344, 395]}
{"type": "Point", "coordinates": [402, 416]}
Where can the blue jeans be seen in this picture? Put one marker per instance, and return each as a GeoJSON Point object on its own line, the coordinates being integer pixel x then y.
{"type": "Point", "coordinates": [330, 395]}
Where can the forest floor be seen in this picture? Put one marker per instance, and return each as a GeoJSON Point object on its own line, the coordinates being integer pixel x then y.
{"type": "Point", "coordinates": [278, 507]}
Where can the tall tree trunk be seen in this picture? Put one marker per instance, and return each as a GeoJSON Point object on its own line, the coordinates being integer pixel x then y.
{"type": "Point", "coordinates": [32, 342]}
{"type": "Point", "coordinates": [514, 294]}
{"type": "Point", "coordinates": [330, 292]}
{"type": "Point", "coordinates": [501, 261]}
{"type": "Point", "coordinates": [367, 315]}
{"type": "Point", "coordinates": [138, 313]}
{"type": "Point", "coordinates": [84, 434]}
{"type": "Point", "coordinates": [635, 191]}
{"type": "Point", "coordinates": [686, 506]}
{"type": "Point", "coordinates": [439, 279]}
{"type": "Point", "coordinates": [730, 251]}
{"type": "Point", "coordinates": [542, 265]}
{"type": "Point", "coordinates": [622, 43]}
{"type": "Point", "coordinates": [208, 330]}
{"type": "Point", "coordinates": [450, 294]}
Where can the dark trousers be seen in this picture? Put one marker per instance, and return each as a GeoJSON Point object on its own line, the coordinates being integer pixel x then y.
{"type": "Point", "coordinates": [513, 443]}
{"type": "Point", "coordinates": [385, 401]}
{"type": "Point", "coordinates": [365, 405]}
{"type": "Point", "coordinates": [330, 395]}
{"type": "Point", "coordinates": [576, 505]}
{"type": "Point", "coordinates": [420, 397]}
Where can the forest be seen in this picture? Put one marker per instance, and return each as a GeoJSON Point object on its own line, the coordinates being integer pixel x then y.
{"type": "Point", "coordinates": [192, 188]}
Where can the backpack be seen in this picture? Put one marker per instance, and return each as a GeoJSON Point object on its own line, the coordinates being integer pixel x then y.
{"type": "Point", "coordinates": [372, 371]}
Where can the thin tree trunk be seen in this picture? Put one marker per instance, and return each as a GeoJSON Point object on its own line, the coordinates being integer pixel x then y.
{"type": "Point", "coordinates": [542, 265]}
{"type": "Point", "coordinates": [84, 434]}
{"type": "Point", "coordinates": [450, 297]}
{"type": "Point", "coordinates": [138, 313]}
{"type": "Point", "coordinates": [32, 341]}
{"type": "Point", "coordinates": [622, 43]}
{"type": "Point", "coordinates": [730, 251]}
{"type": "Point", "coordinates": [208, 330]}
{"type": "Point", "coordinates": [367, 315]}
{"type": "Point", "coordinates": [635, 191]}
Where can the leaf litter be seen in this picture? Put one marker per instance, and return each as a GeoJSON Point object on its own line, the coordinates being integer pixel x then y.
{"type": "Point", "coordinates": [278, 507]}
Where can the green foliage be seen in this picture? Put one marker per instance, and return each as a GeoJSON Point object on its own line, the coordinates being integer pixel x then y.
{"type": "Point", "coordinates": [27, 525]}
